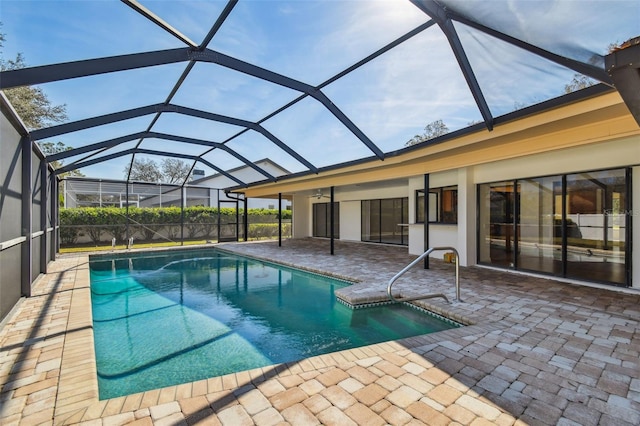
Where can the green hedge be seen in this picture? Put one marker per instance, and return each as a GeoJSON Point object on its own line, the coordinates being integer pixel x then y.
{"type": "Point", "coordinates": [105, 223]}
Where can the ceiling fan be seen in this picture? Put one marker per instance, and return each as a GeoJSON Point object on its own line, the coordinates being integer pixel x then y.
{"type": "Point", "coordinates": [319, 195]}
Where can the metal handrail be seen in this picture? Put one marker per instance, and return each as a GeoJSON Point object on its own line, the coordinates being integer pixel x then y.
{"type": "Point", "coordinates": [412, 264]}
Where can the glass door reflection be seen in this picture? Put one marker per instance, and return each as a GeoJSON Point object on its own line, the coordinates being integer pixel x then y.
{"type": "Point", "coordinates": [496, 224]}
{"type": "Point", "coordinates": [540, 225]}
{"type": "Point", "coordinates": [596, 222]}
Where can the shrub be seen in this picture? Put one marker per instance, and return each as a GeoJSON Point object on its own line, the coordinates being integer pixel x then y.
{"type": "Point", "coordinates": [199, 221]}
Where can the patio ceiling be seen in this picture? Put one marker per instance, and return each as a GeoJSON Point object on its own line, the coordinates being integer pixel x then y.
{"type": "Point", "coordinates": [312, 85]}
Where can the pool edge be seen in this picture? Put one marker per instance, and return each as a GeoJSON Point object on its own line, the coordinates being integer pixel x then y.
{"type": "Point", "coordinates": [78, 398]}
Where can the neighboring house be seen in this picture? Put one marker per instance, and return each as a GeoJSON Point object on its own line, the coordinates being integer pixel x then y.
{"type": "Point", "coordinates": [548, 193]}
{"type": "Point", "coordinates": [245, 174]}
{"type": "Point", "coordinates": [88, 192]}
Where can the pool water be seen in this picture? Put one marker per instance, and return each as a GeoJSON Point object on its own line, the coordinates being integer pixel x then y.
{"type": "Point", "coordinates": [165, 318]}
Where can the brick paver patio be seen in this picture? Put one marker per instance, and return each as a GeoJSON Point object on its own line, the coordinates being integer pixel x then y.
{"type": "Point", "coordinates": [535, 351]}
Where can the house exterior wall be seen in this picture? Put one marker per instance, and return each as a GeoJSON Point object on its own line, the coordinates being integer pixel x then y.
{"type": "Point", "coordinates": [350, 223]}
{"type": "Point", "coordinates": [245, 174]}
{"type": "Point", "coordinates": [301, 220]}
{"type": "Point", "coordinates": [588, 136]}
{"type": "Point", "coordinates": [624, 152]}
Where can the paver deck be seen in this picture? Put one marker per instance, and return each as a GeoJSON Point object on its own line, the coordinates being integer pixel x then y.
{"type": "Point", "coordinates": [535, 351]}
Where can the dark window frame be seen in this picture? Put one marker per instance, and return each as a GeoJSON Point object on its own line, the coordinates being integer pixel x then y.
{"type": "Point", "coordinates": [443, 216]}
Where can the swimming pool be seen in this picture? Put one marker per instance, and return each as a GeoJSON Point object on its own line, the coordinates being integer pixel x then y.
{"type": "Point", "coordinates": [171, 317]}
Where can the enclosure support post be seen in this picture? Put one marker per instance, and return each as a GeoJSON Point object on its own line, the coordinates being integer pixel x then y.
{"type": "Point", "coordinates": [126, 205]}
{"type": "Point", "coordinates": [27, 208]}
{"type": "Point", "coordinates": [55, 235]}
{"type": "Point", "coordinates": [331, 220]}
{"type": "Point", "coordinates": [279, 219]}
{"type": "Point", "coordinates": [426, 219]}
{"type": "Point", "coordinates": [564, 226]}
{"type": "Point", "coordinates": [219, 227]}
{"type": "Point", "coordinates": [628, 217]}
{"type": "Point", "coordinates": [182, 199]}
{"type": "Point", "coordinates": [43, 217]}
{"type": "Point", "coordinates": [237, 221]}
{"type": "Point", "coordinates": [245, 220]}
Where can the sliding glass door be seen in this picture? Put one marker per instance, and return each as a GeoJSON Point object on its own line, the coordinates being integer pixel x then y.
{"type": "Point", "coordinates": [496, 224]}
{"type": "Point", "coordinates": [322, 220]}
{"type": "Point", "coordinates": [385, 221]}
{"type": "Point", "coordinates": [539, 227]}
{"type": "Point", "coordinates": [572, 226]}
{"type": "Point", "coordinates": [596, 224]}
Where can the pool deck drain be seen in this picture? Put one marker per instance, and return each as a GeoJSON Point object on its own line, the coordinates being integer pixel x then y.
{"type": "Point", "coordinates": [539, 351]}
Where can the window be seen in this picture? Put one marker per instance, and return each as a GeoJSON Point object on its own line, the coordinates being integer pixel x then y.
{"type": "Point", "coordinates": [322, 220]}
{"type": "Point", "coordinates": [443, 205]}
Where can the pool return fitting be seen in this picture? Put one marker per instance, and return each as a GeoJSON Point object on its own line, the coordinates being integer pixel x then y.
{"type": "Point", "coordinates": [427, 296]}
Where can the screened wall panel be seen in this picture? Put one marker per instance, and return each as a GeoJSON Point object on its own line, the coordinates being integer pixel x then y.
{"type": "Point", "coordinates": [36, 194]}
{"type": "Point", "coordinates": [36, 253]}
{"type": "Point", "coordinates": [11, 182]}
{"type": "Point", "coordinates": [10, 276]}
{"type": "Point", "coordinates": [11, 214]}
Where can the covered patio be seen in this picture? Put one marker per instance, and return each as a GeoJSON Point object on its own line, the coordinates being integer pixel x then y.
{"type": "Point", "coordinates": [534, 351]}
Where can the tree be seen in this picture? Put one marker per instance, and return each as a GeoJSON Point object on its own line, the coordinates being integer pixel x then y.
{"type": "Point", "coordinates": [35, 109]}
{"type": "Point", "coordinates": [175, 170]}
{"type": "Point", "coordinates": [578, 82]}
{"type": "Point", "coordinates": [50, 148]}
{"type": "Point", "coordinates": [31, 103]}
{"type": "Point", "coordinates": [170, 170]}
{"type": "Point", "coordinates": [431, 130]}
{"type": "Point", "coordinates": [145, 170]}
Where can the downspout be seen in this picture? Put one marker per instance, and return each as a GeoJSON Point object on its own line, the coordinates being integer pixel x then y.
{"type": "Point", "coordinates": [245, 214]}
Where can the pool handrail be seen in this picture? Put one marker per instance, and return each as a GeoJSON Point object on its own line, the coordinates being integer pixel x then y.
{"type": "Point", "coordinates": [412, 264]}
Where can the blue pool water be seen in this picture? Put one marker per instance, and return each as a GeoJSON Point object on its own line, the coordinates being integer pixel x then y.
{"type": "Point", "coordinates": [165, 318]}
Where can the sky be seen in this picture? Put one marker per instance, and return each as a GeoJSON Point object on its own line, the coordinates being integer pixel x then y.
{"type": "Point", "coordinates": [390, 99]}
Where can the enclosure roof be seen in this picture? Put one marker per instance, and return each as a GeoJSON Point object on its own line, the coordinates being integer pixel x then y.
{"type": "Point", "coordinates": [310, 85]}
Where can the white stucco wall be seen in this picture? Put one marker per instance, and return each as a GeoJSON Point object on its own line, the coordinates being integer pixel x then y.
{"type": "Point", "coordinates": [302, 217]}
{"type": "Point", "coordinates": [613, 154]}
{"type": "Point", "coordinates": [350, 223]}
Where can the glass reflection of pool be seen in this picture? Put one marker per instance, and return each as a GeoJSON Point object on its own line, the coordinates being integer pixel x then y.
{"type": "Point", "coordinates": [165, 318]}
